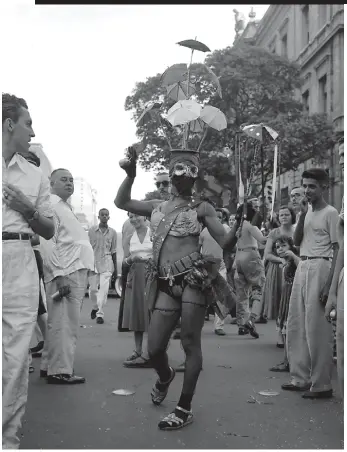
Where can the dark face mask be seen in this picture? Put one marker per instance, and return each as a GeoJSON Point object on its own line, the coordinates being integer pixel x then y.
{"type": "Point", "coordinates": [183, 185]}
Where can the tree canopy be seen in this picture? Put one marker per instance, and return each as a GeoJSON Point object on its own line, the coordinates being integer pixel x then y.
{"type": "Point", "coordinates": [257, 87]}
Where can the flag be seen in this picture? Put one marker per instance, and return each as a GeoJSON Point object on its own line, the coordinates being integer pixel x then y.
{"type": "Point", "coordinates": [274, 181]}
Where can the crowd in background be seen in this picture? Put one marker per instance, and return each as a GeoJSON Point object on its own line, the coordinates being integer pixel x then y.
{"type": "Point", "coordinates": [290, 270]}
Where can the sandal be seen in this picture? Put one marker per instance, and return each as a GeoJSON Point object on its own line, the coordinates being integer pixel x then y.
{"type": "Point", "coordinates": [135, 355]}
{"type": "Point", "coordinates": [140, 362]}
{"type": "Point", "coordinates": [159, 396]}
{"type": "Point", "coordinates": [31, 369]}
{"type": "Point", "coordinates": [282, 367]}
{"type": "Point", "coordinates": [174, 422]}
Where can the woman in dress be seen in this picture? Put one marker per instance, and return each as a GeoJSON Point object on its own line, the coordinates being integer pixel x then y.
{"type": "Point", "coordinates": [179, 280]}
{"type": "Point", "coordinates": [285, 250]}
{"type": "Point", "coordinates": [137, 252]}
{"type": "Point", "coordinates": [273, 281]}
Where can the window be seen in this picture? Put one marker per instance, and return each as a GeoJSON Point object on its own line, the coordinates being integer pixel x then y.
{"type": "Point", "coordinates": [322, 15]}
{"type": "Point", "coordinates": [272, 46]}
{"type": "Point", "coordinates": [284, 196]}
{"type": "Point", "coordinates": [305, 25]}
{"type": "Point", "coordinates": [323, 94]}
{"type": "Point", "coordinates": [306, 100]}
{"type": "Point", "coordinates": [284, 42]}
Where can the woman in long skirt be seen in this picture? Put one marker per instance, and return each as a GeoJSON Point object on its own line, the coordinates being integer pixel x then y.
{"type": "Point", "coordinates": [273, 281]}
{"type": "Point", "coordinates": [135, 311]}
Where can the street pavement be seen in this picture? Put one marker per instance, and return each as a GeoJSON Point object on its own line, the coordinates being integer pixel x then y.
{"type": "Point", "coordinates": [235, 369]}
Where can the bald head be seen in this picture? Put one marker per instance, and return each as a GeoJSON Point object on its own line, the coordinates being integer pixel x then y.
{"type": "Point", "coordinates": [62, 183]}
{"type": "Point", "coordinates": [296, 196]}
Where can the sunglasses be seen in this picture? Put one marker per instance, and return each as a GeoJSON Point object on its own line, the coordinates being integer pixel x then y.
{"type": "Point", "coordinates": [164, 183]}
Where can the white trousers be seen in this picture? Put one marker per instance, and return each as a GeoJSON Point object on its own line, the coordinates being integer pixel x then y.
{"type": "Point", "coordinates": [98, 290]}
{"type": "Point", "coordinates": [63, 323]}
{"type": "Point", "coordinates": [20, 300]}
{"type": "Point", "coordinates": [218, 322]}
{"type": "Point", "coordinates": [340, 332]}
{"type": "Point", "coordinates": [309, 334]}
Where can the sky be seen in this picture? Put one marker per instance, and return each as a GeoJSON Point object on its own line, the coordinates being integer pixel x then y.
{"type": "Point", "coordinates": [75, 65]}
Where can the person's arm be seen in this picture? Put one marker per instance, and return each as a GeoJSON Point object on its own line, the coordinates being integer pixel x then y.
{"type": "Point", "coordinates": [299, 229]}
{"type": "Point", "coordinates": [255, 233]}
{"type": "Point", "coordinates": [41, 224]}
{"type": "Point", "coordinates": [332, 296]}
{"type": "Point", "coordinates": [268, 254]}
{"type": "Point", "coordinates": [123, 200]}
{"type": "Point", "coordinates": [212, 223]}
{"type": "Point", "coordinates": [332, 219]}
{"type": "Point", "coordinates": [114, 250]}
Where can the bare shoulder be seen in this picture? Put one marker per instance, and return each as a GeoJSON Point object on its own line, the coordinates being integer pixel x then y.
{"type": "Point", "coordinates": [205, 209]}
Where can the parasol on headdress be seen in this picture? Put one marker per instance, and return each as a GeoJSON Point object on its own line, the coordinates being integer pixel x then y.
{"type": "Point", "coordinates": [150, 112]}
{"type": "Point", "coordinates": [174, 74]}
{"type": "Point", "coordinates": [213, 117]}
{"type": "Point", "coordinates": [215, 80]}
{"type": "Point", "coordinates": [178, 91]}
{"type": "Point", "coordinates": [183, 112]}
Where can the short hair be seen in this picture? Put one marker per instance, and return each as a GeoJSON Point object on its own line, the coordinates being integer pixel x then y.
{"type": "Point", "coordinates": [104, 208]}
{"type": "Point", "coordinates": [297, 188]}
{"type": "Point", "coordinates": [162, 173]}
{"type": "Point", "coordinates": [32, 158]}
{"type": "Point", "coordinates": [287, 239]}
{"type": "Point", "coordinates": [318, 174]}
{"type": "Point", "coordinates": [58, 169]}
{"type": "Point", "coordinates": [11, 107]}
{"type": "Point", "coordinates": [291, 210]}
{"type": "Point", "coordinates": [250, 211]}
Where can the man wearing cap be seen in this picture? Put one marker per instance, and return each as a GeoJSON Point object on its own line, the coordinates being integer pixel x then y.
{"type": "Point", "coordinates": [26, 210]}
{"type": "Point", "coordinates": [309, 337]}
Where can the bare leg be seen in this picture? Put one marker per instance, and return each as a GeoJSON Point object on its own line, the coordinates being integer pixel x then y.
{"type": "Point", "coordinates": [193, 316]}
{"type": "Point", "coordinates": [163, 321]}
{"type": "Point", "coordinates": [138, 335]}
{"type": "Point", "coordinates": [42, 322]}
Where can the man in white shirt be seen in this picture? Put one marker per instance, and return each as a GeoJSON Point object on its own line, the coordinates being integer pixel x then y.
{"type": "Point", "coordinates": [67, 258]}
{"type": "Point", "coordinates": [309, 335]}
{"type": "Point", "coordinates": [209, 247]}
{"type": "Point", "coordinates": [104, 243]}
{"type": "Point", "coordinates": [26, 210]}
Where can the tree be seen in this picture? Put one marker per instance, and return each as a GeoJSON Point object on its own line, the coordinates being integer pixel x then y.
{"type": "Point", "coordinates": [257, 87]}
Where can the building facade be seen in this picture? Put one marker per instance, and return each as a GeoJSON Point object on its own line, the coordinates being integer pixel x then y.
{"type": "Point", "coordinates": [311, 36]}
{"type": "Point", "coordinates": [83, 203]}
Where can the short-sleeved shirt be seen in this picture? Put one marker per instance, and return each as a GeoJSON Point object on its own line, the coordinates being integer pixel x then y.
{"type": "Point", "coordinates": [69, 250]}
{"type": "Point", "coordinates": [319, 232]}
{"type": "Point", "coordinates": [104, 244]}
{"type": "Point", "coordinates": [35, 186]}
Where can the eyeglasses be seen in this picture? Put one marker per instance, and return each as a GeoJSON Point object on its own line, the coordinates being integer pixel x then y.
{"type": "Point", "coordinates": [164, 183]}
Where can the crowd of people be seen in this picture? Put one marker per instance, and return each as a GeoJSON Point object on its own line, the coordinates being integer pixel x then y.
{"type": "Point", "coordinates": [184, 259]}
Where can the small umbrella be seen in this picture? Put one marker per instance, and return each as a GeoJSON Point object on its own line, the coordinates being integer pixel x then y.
{"type": "Point", "coordinates": [215, 80]}
{"type": "Point", "coordinates": [197, 126]}
{"type": "Point", "coordinates": [194, 45]}
{"type": "Point", "coordinates": [178, 91]}
{"type": "Point", "coordinates": [174, 74]}
{"type": "Point", "coordinates": [148, 113]}
{"type": "Point", "coordinates": [183, 112]}
{"type": "Point", "coordinates": [213, 117]}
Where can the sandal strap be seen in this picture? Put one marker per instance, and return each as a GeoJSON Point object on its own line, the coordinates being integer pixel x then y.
{"type": "Point", "coordinates": [183, 410]}
{"type": "Point", "coordinates": [169, 380]}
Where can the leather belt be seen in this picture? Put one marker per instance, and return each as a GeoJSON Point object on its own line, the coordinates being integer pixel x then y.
{"type": "Point", "coordinates": [15, 236]}
{"type": "Point", "coordinates": [307, 258]}
{"type": "Point", "coordinates": [181, 266]}
{"type": "Point", "coordinates": [248, 248]}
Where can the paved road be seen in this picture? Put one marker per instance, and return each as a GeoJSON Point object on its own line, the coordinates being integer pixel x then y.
{"type": "Point", "coordinates": [235, 368]}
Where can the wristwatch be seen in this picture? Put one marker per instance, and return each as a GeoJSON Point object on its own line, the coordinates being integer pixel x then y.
{"type": "Point", "coordinates": [34, 217]}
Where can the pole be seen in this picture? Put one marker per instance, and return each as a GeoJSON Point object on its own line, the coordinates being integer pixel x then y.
{"type": "Point", "coordinates": [279, 176]}
{"type": "Point", "coordinates": [262, 181]}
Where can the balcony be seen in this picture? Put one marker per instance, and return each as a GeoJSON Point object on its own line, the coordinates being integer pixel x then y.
{"type": "Point", "coordinates": [321, 38]}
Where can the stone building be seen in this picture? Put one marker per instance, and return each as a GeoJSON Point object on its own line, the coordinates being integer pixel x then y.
{"type": "Point", "coordinates": [312, 36]}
